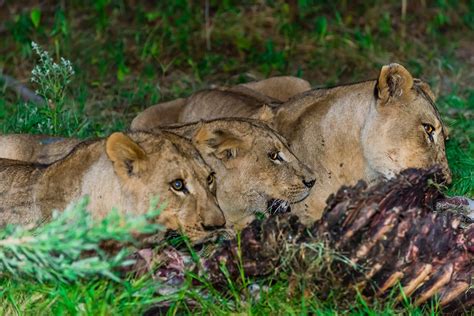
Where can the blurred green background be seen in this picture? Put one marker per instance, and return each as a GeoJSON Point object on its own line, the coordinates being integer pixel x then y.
{"type": "Point", "coordinates": [131, 54]}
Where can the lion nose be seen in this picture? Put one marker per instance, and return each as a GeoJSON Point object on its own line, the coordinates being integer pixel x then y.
{"type": "Point", "coordinates": [213, 219]}
{"type": "Point", "coordinates": [309, 184]}
{"type": "Point", "coordinates": [216, 223]}
{"type": "Point", "coordinates": [215, 227]}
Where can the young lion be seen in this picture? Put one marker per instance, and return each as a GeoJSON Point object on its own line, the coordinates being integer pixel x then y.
{"type": "Point", "coordinates": [255, 167]}
{"type": "Point", "coordinates": [256, 171]}
{"type": "Point", "coordinates": [123, 171]}
{"type": "Point", "coordinates": [366, 130]}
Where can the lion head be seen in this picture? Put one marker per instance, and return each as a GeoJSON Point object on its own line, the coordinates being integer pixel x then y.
{"type": "Point", "coordinates": [168, 167]}
{"type": "Point", "coordinates": [255, 169]}
{"type": "Point", "coordinates": [404, 129]}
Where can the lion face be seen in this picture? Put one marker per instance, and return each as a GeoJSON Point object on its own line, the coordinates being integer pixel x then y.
{"type": "Point", "coordinates": [168, 167]}
{"type": "Point", "coordinates": [256, 171]}
{"type": "Point", "coordinates": [404, 130]}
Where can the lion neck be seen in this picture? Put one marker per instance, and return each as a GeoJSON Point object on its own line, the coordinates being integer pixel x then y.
{"type": "Point", "coordinates": [104, 188]}
{"type": "Point", "coordinates": [325, 128]}
{"type": "Point", "coordinates": [93, 176]}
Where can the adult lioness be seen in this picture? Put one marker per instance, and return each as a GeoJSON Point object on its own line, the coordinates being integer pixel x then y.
{"type": "Point", "coordinates": [256, 171]}
{"type": "Point", "coordinates": [123, 171]}
{"type": "Point", "coordinates": [366, 130]}
{"type": "Point", "coordinates": [244, 98]}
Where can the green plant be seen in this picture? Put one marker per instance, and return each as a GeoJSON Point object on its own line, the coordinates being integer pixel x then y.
{"type": "Point", "coordinates": [51, 116]}
{"type": "Point", "coordinates": [56, 251]}
{"type": "Point", "coordinates": [35, 16]}
{"type": "Point", "coordinates": [51, 78]}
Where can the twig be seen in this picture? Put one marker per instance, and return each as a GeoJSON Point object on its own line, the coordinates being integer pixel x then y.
{"type": "Point", "coordinates": [25, 93]}
{"type": "Point", "coordinates": [207, 25]}
{"type": "Point", "coordinates": [403, 18]}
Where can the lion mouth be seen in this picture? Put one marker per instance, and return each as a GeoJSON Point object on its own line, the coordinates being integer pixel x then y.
{"type": "Point", "coordinates": [301, 198]}
{"type": "Point", "coordinates": [277, 206]}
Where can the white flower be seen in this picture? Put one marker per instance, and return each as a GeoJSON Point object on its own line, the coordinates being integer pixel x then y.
{"type": "Point", "coordinates": [51, 77]}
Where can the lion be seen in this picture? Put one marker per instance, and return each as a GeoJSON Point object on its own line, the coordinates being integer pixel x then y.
{"type": "Point", "coordinates": [124, 171]}
{"type": "Point", "coordinates": [280, 88]}
{"type": "Point", "coordinates": [255, 169]}
{"type": "Point", "coordinates": [244, 98]}
{"type": "Point", "coordinates": [41, 149]}
{"type": "Point", "coordinates": [368, 130]}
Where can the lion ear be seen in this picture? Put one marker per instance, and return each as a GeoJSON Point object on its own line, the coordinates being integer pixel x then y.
{"type": "Point", "coordinates": [221, 143]}
{"type": "Point", "coordinates": [394, 82]}
{"type": "Point", "coordinates": [183, 130]}
{"type": "Point", "coordinates": [425, 88]}
{"type": "Point", "coordinates": [265, 113]}
{"type": "Point", "coordinates": [127, 156]}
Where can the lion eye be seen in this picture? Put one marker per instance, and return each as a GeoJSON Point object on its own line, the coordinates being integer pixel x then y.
{"type": "Point", "coordinates": [274, 155]}
{"type": "Point", "coordinates": [429, 129]}
{"type": "Point", "coordinates": [178, 185]}
{"type": "Point", "coordinates": [211, 178]}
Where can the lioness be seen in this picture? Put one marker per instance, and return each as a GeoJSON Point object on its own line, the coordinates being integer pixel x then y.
{"type": "Point", "coordinates": [367, 130]}
{"type": "Point", "coordinates": [256, 170]}
{"type": "Point", "coordinates": [244, 98]}
{"type": "Point", "coordinates": [123, 171]}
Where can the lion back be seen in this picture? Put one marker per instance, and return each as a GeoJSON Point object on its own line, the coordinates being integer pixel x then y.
{"type": "Point", "coordinates": [18, 180]}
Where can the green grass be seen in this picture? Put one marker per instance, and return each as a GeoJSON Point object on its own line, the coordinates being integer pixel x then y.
{"type": "Point", "coordinates": [127, 58]}
{"type": "Point", "coordinates": [131, 297]}
{"type": "Point", "coordinates": [93, 297]}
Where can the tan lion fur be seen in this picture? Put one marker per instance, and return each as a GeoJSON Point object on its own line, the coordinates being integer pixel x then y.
{"type": "Point", "coordinates": [123, 171]}
{"type": "Point", "coordinates": [41, 149]}
{"type": "Point", "coordinates": [279, 88]}
{"type": "Point", "coordinates": [366, 130]}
